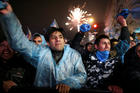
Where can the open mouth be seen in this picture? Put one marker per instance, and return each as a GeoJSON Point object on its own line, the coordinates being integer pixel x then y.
{"type": "Point", "coordinates": [6, 53]}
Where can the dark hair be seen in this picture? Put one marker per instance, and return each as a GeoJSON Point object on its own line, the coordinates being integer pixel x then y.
{"type": "Point", "coordinates": [98, 38]}
{"type": "Point", "coordinates": [137, 45]}
{"type": "Point", "coordinates": [36, 35]}
{"type": "Point", "coordinates": [2, 36]}
{"type": "Point", "coordinates": [50, 30]}
{"type": "Point", "coordinates": [89, 43]}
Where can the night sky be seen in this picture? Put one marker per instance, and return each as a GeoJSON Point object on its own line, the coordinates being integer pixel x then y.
{"type": "Point", "coordinates": [38, 14]}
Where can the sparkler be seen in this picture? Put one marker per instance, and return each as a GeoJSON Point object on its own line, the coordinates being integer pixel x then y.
{"type": "Point", "coordinates": [76, 18]}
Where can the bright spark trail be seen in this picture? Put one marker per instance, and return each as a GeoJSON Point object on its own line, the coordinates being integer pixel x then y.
{"type": "Point", "coordinates": [76, 18]}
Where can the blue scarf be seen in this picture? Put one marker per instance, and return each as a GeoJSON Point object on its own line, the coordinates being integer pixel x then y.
{"type": "Point", "coordinates": [102, 55]}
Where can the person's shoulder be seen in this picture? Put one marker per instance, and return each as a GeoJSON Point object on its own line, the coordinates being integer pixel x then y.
{"type": "Point", "coordinates": [71, 50]}
{"type": "Point", "coordinates": [44, 49]}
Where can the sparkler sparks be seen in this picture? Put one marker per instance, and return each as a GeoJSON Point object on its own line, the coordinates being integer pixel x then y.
{"type": "Point", "coordinates": [76, 18]}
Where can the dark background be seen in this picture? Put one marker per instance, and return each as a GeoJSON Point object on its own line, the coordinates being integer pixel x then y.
{"type": "Point", "coordinates": [39, 14]}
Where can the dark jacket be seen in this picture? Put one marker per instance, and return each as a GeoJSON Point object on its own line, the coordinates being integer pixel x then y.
{"type": "Point", "coordinates": [131, 72]}
{"type": "Point", "coordinates": [17, 70]}
{"type": "Point", "coordinates": [76, 45]}
{"type": "Point", "coordinates": [103, 74]}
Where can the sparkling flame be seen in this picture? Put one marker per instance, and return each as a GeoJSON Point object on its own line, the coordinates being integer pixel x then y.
{"type": "Point", "coordinates": [76, 18]}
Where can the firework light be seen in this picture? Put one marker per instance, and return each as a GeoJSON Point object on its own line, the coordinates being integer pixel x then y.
{"type": "Point", "coordinates": [77, 17]}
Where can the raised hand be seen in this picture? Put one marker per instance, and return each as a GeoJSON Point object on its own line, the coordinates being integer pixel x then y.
{"type": "Point", "coordinates": [122, 21]}
{"type": "Point", "coordinates": [7, 9]}
{"type": "Point", "coordinates": [62, 88]}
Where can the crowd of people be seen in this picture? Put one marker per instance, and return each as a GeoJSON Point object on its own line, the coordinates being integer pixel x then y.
{"type": "Point", "coordinates": [48, 62]}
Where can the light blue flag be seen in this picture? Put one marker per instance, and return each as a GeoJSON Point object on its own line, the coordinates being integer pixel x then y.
{"type": "Point", "coordinates": [29, 34]}
{"type": "Point", "coordinates": [54, 24]}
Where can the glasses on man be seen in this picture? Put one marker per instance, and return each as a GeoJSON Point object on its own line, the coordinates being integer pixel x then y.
{"type": "Point", "coordinates": [39, 41]}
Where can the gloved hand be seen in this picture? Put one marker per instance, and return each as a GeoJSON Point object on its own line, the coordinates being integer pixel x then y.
{"type": "Point", "coordinates": [85, 27]}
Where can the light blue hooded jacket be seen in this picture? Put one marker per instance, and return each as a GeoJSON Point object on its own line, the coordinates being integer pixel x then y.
{"type": "Point", "coordinates": [70, 69]}
{"type": "Point", "coordinates": [44, 43]}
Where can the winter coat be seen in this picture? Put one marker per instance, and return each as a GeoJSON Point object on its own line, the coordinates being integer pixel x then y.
{"type": "Point", "coordinates": [70, 69]}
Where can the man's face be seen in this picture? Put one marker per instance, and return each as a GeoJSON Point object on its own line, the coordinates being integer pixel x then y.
{"type": "Point", "coordinates": [56, 41]}
{"type": "Point", "coordinates": [89, 47]}
{"type": "Point", "coordinates": [6, 52]}
{"type": "Point", "coordinates": [104, 45]}
{"type": "Point", "coordinates": [138, 51]}
{"type": "Point", "coordinates": [37, 40]}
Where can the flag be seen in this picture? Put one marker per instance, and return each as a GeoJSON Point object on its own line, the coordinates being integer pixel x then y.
{"type": "Point", "coordinates": [54, 24]}
{"type": "Point", "coordinates": [29, 34]}
{"type": "Point", "coordinates": [135, 12]}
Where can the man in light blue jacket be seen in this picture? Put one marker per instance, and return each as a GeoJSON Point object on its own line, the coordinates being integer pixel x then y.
{"type": "Point", "coordinates": [57, 64]}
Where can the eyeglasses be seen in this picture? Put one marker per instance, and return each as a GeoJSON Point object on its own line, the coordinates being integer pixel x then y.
{"type": "Point", "coordinates": [39, 41]}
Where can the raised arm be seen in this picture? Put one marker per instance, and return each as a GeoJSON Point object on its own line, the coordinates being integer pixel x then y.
{"type": "Point", "coordinates": [15, 36]}
{"type": "Point", "coordinates": [125, 35]}
{"type": "Point", "coordinates": [124, 44]}
{"type": "Point", "coordinates": [78, 37]}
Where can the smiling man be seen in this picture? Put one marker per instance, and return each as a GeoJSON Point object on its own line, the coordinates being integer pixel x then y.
{"type": "Point", "coordinates": [15, 71]}
{"type": "Point", "coordinates": [6, 52]}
